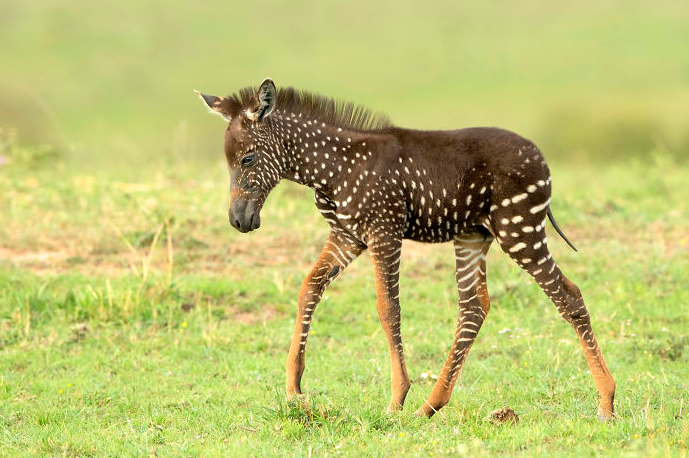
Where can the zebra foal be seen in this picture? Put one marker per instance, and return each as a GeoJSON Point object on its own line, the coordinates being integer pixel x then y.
{"type": "Point", "coordinates": [377, 184]}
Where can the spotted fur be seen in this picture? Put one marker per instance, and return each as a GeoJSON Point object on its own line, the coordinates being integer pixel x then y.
{"type": "Point", "coordinates": [377, 184]}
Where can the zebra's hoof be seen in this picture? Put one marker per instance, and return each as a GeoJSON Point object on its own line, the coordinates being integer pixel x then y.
{"type": "Point", "coordinates": [393, 407]}
{"type": "Point", "coordinates": [420, 413]}
{"type": "Point", "coordinates": [606, 416]}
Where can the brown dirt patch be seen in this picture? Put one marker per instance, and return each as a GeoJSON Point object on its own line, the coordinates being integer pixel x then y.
{"type": "Point", "coordinates": [41, 256]}
{"type": "Point", "coordinates": [266, 313]}
{"type": "Point", "coordinates": [504, 416]}
{"type": "Point", "coordinates": [46, 261]}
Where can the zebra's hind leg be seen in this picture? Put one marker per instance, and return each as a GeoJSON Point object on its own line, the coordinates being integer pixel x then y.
{"type": "Point", "coordinates": [470, 256]}
{"type": "Point", "coordinates": [527, 245]}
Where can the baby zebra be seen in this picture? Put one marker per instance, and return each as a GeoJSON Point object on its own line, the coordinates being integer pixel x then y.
{"type": "Point", "coordinates": [377, 184]}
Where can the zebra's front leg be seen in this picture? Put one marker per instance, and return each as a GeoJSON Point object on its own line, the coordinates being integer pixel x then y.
{"type": "Point", "coordinates": [470, 256]}
{"type": "Point", "coordinates": [385, 255]}
{"type": "Point", "coordinates": [338, 252]}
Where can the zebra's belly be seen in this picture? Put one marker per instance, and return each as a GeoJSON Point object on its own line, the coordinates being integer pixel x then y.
{"type": "Point", "coordinates": [439, 228]}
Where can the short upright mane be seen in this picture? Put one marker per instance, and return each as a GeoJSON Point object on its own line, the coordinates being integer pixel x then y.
{"type": "Point", "coordinates": [315, 106]}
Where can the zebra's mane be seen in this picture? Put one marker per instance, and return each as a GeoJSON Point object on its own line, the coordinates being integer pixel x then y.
{"type": "Point", "coordinates": [315, 106]}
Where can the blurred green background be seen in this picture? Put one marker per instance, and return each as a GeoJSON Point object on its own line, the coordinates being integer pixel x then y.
{"type": "Point", "coordinates": [110, 83]}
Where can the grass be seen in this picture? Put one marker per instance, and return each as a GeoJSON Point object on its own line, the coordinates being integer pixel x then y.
{"type": "Point", "coordinates": [134, 320]}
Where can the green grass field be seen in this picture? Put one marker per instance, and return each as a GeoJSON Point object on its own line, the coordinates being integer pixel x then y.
{"type": "Point", "coordinates": [134, 321]}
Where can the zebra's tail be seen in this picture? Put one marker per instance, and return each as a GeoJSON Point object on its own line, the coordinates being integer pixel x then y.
{"type": "Point", "coordinates": [557, 228]}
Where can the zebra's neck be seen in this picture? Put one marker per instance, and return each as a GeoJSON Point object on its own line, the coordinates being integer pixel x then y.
{"type": "Point", "coordinates": [321, 156]}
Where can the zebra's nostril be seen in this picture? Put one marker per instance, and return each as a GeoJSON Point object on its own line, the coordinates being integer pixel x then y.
{"type": "Point", "coordinates": [236, 224]}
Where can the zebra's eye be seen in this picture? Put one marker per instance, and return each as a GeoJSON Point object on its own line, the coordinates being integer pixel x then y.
{"type": "Point", "coordinates": [248, 160]}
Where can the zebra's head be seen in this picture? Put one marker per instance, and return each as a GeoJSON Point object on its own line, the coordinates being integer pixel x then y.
{"type": "Point", "coordinates": [255, 154]}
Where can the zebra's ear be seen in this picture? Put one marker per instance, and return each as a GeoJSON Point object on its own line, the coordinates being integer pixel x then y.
{"type": "Point", "coordinates": [263, 102]}
{"type": "Point", "coordinates": [218, 105]}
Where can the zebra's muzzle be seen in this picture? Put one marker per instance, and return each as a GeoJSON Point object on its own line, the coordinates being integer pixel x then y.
{"type": "Point", "coordinates": [244, 215]}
